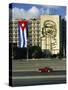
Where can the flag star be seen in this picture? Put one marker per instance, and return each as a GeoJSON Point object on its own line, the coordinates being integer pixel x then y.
{"type": "Point", "coordinates": [23, 25]}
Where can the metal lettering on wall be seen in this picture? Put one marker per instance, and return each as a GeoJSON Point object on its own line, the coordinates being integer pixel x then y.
{"type": "Point", "coordinates": [49, 29]}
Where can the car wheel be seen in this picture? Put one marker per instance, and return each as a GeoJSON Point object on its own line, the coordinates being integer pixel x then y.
{"type": "Point", "coordinates": [39, 71]}
{"type": "Point", "coordinates": [48, 70]}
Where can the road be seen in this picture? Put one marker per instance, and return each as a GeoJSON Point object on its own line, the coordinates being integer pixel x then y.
{"type": "Point", "coordinates": [23, 78]}
{"type": "Point", "coordinates": [56, 64]}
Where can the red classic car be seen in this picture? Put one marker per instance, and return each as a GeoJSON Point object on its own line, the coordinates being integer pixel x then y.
{"type": "Point", "coordinates": [45, 69]}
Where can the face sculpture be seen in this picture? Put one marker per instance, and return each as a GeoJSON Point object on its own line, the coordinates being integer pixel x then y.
{"type": "Point", "coordinates": [49, 28]}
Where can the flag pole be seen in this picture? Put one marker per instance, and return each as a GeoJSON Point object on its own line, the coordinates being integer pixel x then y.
{"type": "Point", "coordinates": [27, 49]}
{"type": "Point", "coordinates": [27, 43]}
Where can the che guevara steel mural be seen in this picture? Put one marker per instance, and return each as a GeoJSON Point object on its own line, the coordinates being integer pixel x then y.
{"type": "Point", "coordinates": [49, 29]}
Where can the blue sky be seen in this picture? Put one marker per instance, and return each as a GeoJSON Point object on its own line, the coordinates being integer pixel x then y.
{"type": "Point", "coordinates": [28, 11]}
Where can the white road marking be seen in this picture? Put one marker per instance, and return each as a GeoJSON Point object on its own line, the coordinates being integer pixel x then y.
{"type": "Point", "coordinates": [25, 70]}
{"type": "Point", "coordinates": [38, 77]}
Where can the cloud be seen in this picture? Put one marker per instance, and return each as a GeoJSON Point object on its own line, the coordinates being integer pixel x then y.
{"type": "Point", "coordinates": [42, 11]}
{"type": "Point", "coordinates": [33, 12]}
{"type": "Point", "coordinates": [50, 9]}
{"type": "Point", "coordinates": [21, 13]}
{"type": "Point", "coordinates": [18, 13]}
{"type": "Point", "coordinates": [47, 11]}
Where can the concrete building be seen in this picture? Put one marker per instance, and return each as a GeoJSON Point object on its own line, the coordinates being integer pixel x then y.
{"type": "Point", "coordinates": [13, 33]}
{"type": "Point", "coordinates": [34, 32]}
{"type": "Point", "coordinates": [50, 33]}
{"type": "Point", "coordinates": [43, 32]}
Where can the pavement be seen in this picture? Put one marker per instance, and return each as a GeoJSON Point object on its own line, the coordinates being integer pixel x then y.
{"type": "Point", "coordinates": [25, 72]}
{"type": "Point", "coordinates": [38, 78]}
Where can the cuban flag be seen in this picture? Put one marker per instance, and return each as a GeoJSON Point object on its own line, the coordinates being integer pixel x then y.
{"type": "Point", "coordinates": [22, 32]}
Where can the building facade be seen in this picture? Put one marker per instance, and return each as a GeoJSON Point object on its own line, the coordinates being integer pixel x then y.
{"type": "Point", "coordinates": [33, 32]}
{"type": "Point", "coordinates": [43, 32]}
{"type": "Point", "coordinates": [50, 33]}
{"type": "Point", "coordinates": [13, 33]}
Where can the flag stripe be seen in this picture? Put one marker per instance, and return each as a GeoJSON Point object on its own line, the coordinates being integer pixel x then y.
{"type": "Point", "coordinates": [19, 35]}
{"type": "Point", "coordinates": [22, 32]}
{"type": "Point", "coordinates": [25, 35]}
{"type": "Point", "coordinates": [27, 30]}
{"type": "Point", "coordinates": [23, 39]}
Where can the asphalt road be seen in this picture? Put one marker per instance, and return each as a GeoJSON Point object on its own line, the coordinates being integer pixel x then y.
{"type": "Point", "coordinates": [25, 65]}
{"type": "Point", "coordinates": [36, 78]}
{"type": "Point", "coordinates": [36, 73]}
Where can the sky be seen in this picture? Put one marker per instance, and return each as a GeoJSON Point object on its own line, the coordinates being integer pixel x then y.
{"type": "Point", "coordinates": [29, 11]}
